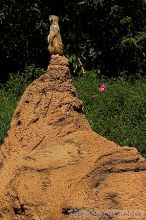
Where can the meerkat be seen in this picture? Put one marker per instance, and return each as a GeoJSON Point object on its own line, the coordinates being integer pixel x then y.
{"type": "Point", "coordinates": [55, 45]}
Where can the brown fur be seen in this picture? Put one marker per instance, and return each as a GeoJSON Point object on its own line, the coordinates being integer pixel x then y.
{"type": "Point", "coordinates": [54, 39]}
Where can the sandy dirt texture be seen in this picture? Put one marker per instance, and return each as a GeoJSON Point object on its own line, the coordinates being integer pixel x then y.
{"type": "Point", "coordinates": [54, 167]}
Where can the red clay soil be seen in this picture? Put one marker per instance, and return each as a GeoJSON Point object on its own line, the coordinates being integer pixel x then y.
{"type": "Point", "coordinates": [54, 167]}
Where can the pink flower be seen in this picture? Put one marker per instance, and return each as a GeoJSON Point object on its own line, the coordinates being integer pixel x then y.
{"type": "Point", "coordinates": [102, 87]}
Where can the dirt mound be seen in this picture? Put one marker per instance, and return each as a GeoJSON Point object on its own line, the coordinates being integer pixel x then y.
{"type": "Point", "coordinates": [53, 166]}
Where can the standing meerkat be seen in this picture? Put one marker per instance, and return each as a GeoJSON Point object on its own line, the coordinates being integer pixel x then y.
{"type": "Point", "coordinates": [55, 45]}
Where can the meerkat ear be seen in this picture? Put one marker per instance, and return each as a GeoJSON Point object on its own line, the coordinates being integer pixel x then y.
{"type": "Point", "coordinates": [50, 18]}
{"type": "Point", "coordinates": [57, 19]}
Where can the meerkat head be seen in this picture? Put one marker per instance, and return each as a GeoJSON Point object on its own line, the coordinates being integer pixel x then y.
{"type": "Point", "coordinates": [53, 19]}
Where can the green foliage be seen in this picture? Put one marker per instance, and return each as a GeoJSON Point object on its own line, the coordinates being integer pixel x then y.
{"type": "Point", "coordinates": [122, 50]}
{"type": "Point", "coordinates": [76, 66]}
{"type": "Point", "coordinates": [18, 82]}
{"type": "Point", "coordinates": [126, 21]}
{"type": "Point", "coordinates": [24, 31]}
{"type": "Point", "coordinates": [119, 113]}
{"type": "Point", "coordinates": [8, 103]}
{"type": "Point", "coordinates": [106, 34]}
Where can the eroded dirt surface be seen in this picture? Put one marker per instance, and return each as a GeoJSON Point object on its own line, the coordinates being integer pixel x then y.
{"type": "Point", "coordinates": [54, 167]}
